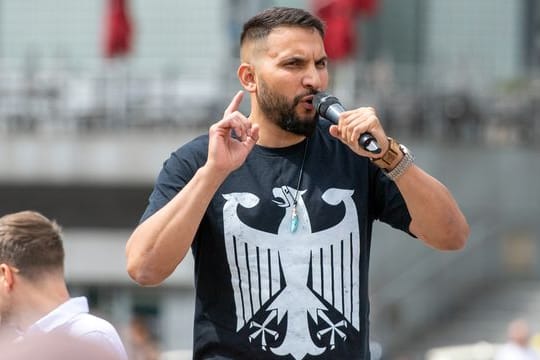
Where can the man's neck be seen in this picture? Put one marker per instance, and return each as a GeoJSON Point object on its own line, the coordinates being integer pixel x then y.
{"type": "Point", "coordinates": [37, 300]}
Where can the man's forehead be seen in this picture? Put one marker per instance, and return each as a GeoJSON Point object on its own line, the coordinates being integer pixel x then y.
{"type": "Point", "coordinates": [293, 41]}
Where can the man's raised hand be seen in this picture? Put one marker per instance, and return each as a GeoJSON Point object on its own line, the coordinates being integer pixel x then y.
{"type": "Point", "coordinates": [231, 139]}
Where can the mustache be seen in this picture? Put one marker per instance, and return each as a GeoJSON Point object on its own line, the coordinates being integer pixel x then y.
{"type": "Point", "coordinates": [298, 98]}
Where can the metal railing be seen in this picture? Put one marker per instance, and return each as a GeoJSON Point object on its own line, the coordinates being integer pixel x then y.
{"type": "Point", "coordinates": [115, 99]}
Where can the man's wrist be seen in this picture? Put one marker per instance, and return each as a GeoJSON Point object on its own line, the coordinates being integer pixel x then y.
{"type": "Point", "coordinates": [396, 160]}
{"type": "Point", "coordinates": [213, 175]}
{"type": "Point", "coordinates": [406, 161]}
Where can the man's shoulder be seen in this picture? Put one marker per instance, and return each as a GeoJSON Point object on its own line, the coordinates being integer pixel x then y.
{"type": "Point", "coordinates": [192, 153]}
{"type": "Point", "coordinates": [201, 140]}
{"type": "Point", "coordinates": [85, 323]}
{"type": "Point", "coordinates": [96, 330]}
{"type": "Point", "coordinates": [194, 146]}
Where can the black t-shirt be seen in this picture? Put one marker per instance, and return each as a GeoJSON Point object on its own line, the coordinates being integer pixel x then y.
{"type": "Point", "coordinates": [267, 290]}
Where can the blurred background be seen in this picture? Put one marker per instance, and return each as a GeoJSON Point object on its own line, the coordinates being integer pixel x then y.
{"type": "Point", "coordinates": [95, 95]}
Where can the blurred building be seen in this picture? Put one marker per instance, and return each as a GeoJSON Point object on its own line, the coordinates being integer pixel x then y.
{"type": "Point", "coordinates": [82, 137]}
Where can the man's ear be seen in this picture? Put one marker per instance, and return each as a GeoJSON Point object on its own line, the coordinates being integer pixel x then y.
{"type": "Point", "coordinates": [6, 276]}
{"type": "Point", "coordinates": [246, 74]}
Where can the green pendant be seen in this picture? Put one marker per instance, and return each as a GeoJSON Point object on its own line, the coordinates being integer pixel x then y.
{"type": "Point", "coordinates": [294, 221]}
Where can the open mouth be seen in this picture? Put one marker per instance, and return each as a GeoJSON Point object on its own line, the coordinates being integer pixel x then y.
{"type": "Point", "coordinates": [308, 102]}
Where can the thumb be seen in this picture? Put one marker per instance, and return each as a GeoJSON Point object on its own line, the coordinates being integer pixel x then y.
{"type": "Point", "coordinates": [334, 131]}
{"type": "Point", "coordinates": [253, 136]}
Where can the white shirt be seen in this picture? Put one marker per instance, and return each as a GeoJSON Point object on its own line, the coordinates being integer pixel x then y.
{"type": "Point", "coordinates": [73, 318]}
{"type": "Point", "coordinates": [511, 351]}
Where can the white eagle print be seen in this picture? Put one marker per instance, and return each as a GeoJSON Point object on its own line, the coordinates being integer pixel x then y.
{"type": "Point", "coordinates": [314, 266]}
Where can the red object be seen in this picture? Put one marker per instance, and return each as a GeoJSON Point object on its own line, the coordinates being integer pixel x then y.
{"type": "Point", "coordinates": [340, 19]}
{"type": "Point", "coordinates": [118, 29]}
{"type": "Point", "coordinates": [340, 38]}
{"type": "Point", "coordinates": [368, 7]}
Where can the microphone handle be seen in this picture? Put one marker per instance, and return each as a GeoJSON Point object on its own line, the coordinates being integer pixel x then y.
{"type": "Point", "coordinates": [368, 142]}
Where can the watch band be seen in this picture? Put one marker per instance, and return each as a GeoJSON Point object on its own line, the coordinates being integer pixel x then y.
{"type": "Point", "coordinates": [404, 164]}
{"type": "Point", "coordinates": [389, 156]}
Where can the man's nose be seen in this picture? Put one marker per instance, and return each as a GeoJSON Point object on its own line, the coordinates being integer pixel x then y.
{"type": "Point", "coordinates": [312, 78]}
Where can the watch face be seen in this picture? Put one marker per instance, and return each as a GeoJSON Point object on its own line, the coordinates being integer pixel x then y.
{"type": "Point", "coordinates": [404, 149]}
{"type": "Point", "coordinates": [390, 156]}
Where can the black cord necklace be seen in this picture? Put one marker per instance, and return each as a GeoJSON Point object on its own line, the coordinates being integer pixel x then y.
{"type": "Point", "coordinates": [294, 217]}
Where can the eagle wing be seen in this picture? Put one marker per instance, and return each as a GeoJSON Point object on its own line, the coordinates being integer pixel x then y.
{"type": "Point", "coordinates": [335, 259]}
{"type": "Point", "coordinates": [253, 263]}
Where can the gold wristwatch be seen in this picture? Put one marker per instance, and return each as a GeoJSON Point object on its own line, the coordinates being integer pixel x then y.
{"type": "Point", "coordinates": [389, 158]}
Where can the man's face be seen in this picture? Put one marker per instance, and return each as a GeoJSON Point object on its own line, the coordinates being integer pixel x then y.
{"type": "Point", "coordinates": [283, 112]}
{"type": "Point", "coordinates": [290, 69]}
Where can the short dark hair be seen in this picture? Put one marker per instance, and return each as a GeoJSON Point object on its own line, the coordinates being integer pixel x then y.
{"type": "Point", "coordinates": [260, 25]}
{"type": "Point", "coordinates": [31, 243]}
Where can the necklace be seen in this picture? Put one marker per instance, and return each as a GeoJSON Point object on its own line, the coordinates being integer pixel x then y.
{"type": "Point", "coordinates": [294, 216]}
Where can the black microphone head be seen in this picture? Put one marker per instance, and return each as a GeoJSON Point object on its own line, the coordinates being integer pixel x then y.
{"type": "Point", "coordinates": [322, 101]}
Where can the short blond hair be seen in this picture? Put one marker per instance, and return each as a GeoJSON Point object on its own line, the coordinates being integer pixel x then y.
{"type": "Point", "coordinates": [31, 243]}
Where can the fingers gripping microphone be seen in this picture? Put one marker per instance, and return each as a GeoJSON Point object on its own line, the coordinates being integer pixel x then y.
{"type": "Point", "coordinates": [329, 107]}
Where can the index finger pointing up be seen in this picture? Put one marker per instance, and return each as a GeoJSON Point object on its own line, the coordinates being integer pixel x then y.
{"type": "Point", "coordinates": [235, 103]}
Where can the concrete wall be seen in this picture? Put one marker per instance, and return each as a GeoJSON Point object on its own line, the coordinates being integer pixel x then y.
{"type": "Point", "coordinates": [480, 39]}
{"type": "Point", "coordinates": [473, 44]}
{"type": "Point", "coordinates": [189, 36]}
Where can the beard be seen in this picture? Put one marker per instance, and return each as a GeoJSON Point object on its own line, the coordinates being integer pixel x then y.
{"type": "Point", "coordinates": [281, 112]}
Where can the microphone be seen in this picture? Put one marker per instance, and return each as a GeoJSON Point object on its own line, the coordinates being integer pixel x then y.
{"type": "Point", "coordinates": [329, 107]}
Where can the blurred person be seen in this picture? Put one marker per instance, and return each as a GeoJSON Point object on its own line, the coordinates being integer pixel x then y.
{"type": "Point", "coordinates": [535, 343]}
{"type": "Point", "coordinates": [33, 294]}
{"type": "Point", "coordinates": [55, 346]}
{"type": "Point", "coordinates": [517, 347]}
{"type": "Point", "coordinates": [278, 207]}
{"type": "Point", "coordinates": [140, 343]}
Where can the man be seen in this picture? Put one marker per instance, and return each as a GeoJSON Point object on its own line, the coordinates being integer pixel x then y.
{"type": "Point", "coordinates": [34, 299]}
{"type": "Point", "coordinates": [517, 347]}
{"type": "Point", "coordinates": [55, 346]}
{"type": "Point", "coordinates": [277, 208]}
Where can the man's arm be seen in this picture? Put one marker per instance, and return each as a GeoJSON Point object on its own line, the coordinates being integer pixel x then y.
{"type": "Point", "coordinates": [161, 242]}
{"type": "Point", "coordinates": [436, 217]}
